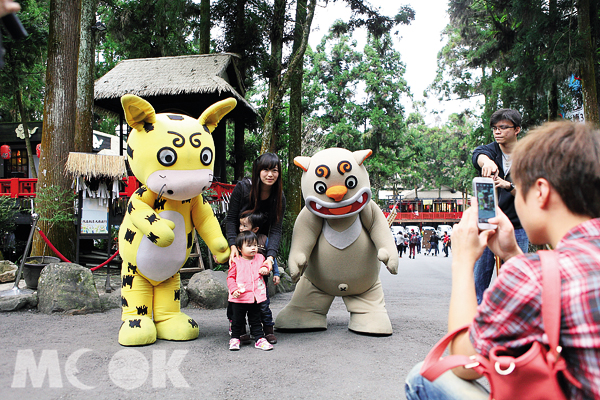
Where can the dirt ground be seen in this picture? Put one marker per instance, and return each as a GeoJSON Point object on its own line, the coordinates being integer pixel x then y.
{"type": "Point", "coordinates": [78, 357]}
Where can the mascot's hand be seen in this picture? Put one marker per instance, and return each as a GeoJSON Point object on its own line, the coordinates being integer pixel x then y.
{"type": "Point", "coordinates": [390, 262]}
{"type": "Point", "coordinates": [220, 249]}
{"type": "Point", "coordinates": [163, 228]}
{"type": "Point", "coordinates": [297, 264]}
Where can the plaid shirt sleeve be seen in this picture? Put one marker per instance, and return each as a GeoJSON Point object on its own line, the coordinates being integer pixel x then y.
{"type": "Point", "coordinates": [509, 314]}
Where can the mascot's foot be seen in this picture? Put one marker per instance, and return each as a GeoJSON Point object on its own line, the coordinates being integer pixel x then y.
{"type": "Point", "coordinates": [293, 318]}
{"type": "Point", "coordinates": [137, 332]}
{"type": "Point", "coordinates": [177, 327]}
{"type": "Point", "coordinates": [377, 324]}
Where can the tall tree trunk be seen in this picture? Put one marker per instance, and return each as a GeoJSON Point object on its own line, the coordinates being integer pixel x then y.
{"type": "Point", "coordinates": [553, 101]}
{"type": "Point", "coordinates": [274, 75]}
{"type": "Point", "coordinates": [204, 26]}
{"type": "Point", "coordinates": [85, 79]}
{"type": "Point", "coordinates": [588, 74]}
{"type": "Point", "coordinates": [59, 115]}
{"type": "Point", "coordinates": [24, 119]}
{"type": "Point", "coordinates": [239, 130]}
{"type": "Point", "coordinates": [294, 195]}
{"type": "Point", "coordinates": [297, 58]}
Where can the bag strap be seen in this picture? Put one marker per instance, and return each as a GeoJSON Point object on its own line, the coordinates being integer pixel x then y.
{"type": "Point", "coordinates": [434, 365]}
{"type": "Point", "coordinates": [551, 295]}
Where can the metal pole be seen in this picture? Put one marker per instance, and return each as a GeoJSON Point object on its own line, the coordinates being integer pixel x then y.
{"type": "Point", "coordinates": [15, 291]}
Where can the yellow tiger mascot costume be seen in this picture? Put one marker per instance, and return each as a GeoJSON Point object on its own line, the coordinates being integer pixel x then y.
{"type": "Point", "coordinates": [172, 155]}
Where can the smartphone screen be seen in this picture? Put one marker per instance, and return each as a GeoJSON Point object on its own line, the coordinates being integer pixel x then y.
{"type": "Point", "coordinates": [485, 201]}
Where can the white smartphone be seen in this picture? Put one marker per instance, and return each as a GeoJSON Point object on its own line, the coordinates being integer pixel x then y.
{"type": "Point", "coordinates": [486, 202]}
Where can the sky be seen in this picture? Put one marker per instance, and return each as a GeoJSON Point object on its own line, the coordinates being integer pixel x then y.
{"type": "Point", "coordinates": [418, 44]}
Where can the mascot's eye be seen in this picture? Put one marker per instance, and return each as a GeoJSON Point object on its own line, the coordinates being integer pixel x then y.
{"type": "Point", "coordinates": [206, 156]}
{"type": "Point", "coordinates": [351, 182]}
{"type": "Point", "coordinates": [320, 187]}
{"type": "Point", "coordinates": [167, 156]}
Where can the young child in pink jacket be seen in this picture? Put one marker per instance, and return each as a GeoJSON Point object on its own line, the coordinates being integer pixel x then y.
{"type": "Point", "coordinates": [247, 290]}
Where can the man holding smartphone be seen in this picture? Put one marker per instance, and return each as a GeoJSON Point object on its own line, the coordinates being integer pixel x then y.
{"type": "Point", "coordinates": [494, 161]}
{"type": "Point", "coordinates": [557, 199]}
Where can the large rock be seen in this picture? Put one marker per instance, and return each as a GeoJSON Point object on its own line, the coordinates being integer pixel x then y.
{"type": "Point", "coordinates": [184, 299]}
{"type": "Point", "coordinates": [67, 288]}
{"type": "Point", "coordinates": [111, 299]}
{"type": "Point", "coordinates": [7, 271]}
{"type": "Point", "coordinates": [14, 303]}
{"type": "Point", "coordinates": [285, 283]}
{"type": "Point", "coordinates": [208, 289]}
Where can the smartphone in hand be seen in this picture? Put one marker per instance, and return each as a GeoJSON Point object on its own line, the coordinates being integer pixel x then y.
{"type": "Point", "coordinates": [486, 202]}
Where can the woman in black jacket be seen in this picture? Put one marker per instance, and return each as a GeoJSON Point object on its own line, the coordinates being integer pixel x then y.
{"type": "Point", "coordinates": [262, 194]}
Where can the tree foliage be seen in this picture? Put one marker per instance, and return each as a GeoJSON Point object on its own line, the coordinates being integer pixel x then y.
{"type": "Point", "coordinates": [517, 53]}
{"type": "Point", "coordinates": [146, 29]}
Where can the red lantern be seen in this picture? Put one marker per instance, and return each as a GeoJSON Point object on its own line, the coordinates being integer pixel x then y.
{"type": "Point", "coordinates": [38, 150]}
{"type": "Point", "coordinates": [5, 151]}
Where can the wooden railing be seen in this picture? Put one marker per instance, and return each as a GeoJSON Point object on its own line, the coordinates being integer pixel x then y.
{"type": "Point", "coordinates": [428, 216]}
{"type": "Point", "coordinates": [18, 187]}
{"type": "Point", "coordinates": [25, 187]}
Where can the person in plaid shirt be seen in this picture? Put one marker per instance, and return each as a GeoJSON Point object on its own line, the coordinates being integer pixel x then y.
{"type": "Point", "coordinates": [557, 178]}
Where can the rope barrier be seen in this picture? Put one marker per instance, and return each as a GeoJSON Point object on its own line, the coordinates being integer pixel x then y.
{"type": "Point", "coordinates": [58, 253]}
{"type": "Point", "coordinates": [105, 262]}
{"type": "Point", "coordinates": [52, 246]}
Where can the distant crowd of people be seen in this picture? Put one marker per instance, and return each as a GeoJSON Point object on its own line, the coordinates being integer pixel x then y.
{"type": "Point", "coordinates": [413, 243]}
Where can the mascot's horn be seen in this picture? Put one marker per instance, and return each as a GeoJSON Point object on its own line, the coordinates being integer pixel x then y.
{"type": "Point", "coordinates": [137, 111]}
{"type": "Point", "coordinates": [302, 162]}
{"type": "Point", "coordinates": [361, 155]}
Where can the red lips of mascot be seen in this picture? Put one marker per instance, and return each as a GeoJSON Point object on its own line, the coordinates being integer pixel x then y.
{"type": "Point", "coordinates": [340, 210]}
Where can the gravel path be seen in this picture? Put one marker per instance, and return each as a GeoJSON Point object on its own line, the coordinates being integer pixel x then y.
{"type": "Point", "coordinates": [82, 359]}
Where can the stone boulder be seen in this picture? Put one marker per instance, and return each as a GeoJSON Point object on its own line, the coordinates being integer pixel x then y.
{"type": "Point", "coordinates": [14, 303]}
{"type": "Point", "coordinates": [208, 289]}
{"type": "Point", "coordinates": [112, 298]}
{"type": "Point", "coordinates": [7, 271]}
{"type": "Point", "coordinates": [285, 283]}
{"type": "Point", "coordinates": [184, 299]}
{"type": "Point", "coordinates": [67, 288]}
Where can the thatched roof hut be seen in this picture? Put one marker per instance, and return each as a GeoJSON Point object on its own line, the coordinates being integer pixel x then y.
{"type": "Point", "coordinates": [96, 166]}
{"type": "Point", "coordinates": [183, 84]}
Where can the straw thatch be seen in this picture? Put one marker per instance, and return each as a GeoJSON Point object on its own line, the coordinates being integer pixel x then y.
{"type": "Point", "coordinates": [171, 77]}
{"type": "Point", "coordinates": [96, 166]}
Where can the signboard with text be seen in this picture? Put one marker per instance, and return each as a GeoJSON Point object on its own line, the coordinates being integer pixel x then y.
{"type": "Point", "coordinates": [94, 217]}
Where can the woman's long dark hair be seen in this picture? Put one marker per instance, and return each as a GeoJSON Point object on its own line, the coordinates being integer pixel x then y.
{"type": "Point", "coordinates": [266, 161]}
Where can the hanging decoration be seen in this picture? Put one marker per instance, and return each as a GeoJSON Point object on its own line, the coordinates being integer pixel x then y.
{"type": "Point", "coordinates": [5, 151]}
{"type": "Point", "coordinates": [38, 150]}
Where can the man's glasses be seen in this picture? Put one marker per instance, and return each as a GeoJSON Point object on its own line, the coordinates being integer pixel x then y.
{"type": "Point", "coordinates": [501, 128]}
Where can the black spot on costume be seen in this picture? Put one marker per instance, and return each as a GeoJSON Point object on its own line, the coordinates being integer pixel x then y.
{"type": "Point", "coordinates": [142, 310]}
{"type": "Point", "coordinates": [127, 281]}
{"type": "Point", "coordinates": [152, 218]}
{"type": "Point", "coordinates": [135, 323]}
{"type": "Point", "coordinates": [129, 235]}
{"type": "Point", "coordinates": [153, 238]}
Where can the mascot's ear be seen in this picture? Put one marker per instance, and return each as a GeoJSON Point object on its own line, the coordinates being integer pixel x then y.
{"type": "Point", "coordinates": [361, 155]}
{"type": "Point", "coordinates": [302, 162]}
{"type": "Point", "coordinates": [213, 114]}
{"type": "Point", "coordinates": [137, 111]}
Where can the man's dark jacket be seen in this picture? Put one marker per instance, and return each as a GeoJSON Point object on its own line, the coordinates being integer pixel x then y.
{"type": "Point", "coordinates": [506, 201]}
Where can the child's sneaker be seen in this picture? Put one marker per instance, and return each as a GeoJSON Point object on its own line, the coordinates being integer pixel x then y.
{"type": "Point", "coordinates": [263, 344]}
{"type": "Point", "coordinates": [234, 344]}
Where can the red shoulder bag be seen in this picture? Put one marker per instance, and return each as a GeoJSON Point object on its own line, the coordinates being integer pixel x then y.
{"type": "Point", "coordinates": [532, 376]}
